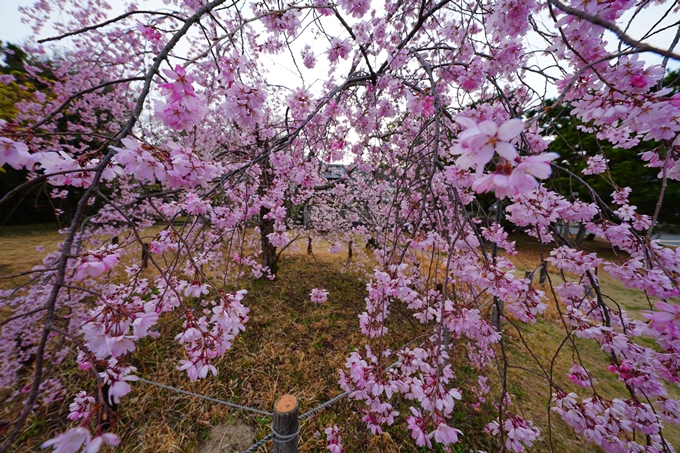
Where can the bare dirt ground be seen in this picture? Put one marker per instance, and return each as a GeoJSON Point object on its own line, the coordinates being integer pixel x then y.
{"type": "Point", "coordinates": [229, 439]}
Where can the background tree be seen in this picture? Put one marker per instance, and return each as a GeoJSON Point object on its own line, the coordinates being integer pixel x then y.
{"type": "Point", "coordinates": [575, 145]}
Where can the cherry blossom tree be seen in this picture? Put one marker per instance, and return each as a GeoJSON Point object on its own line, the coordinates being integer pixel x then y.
{"type": "Point", "coordinates": [173, 116]}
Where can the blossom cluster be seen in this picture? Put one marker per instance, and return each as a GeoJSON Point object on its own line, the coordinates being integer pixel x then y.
{"type": "Point", "coordinates": [477, 145]}
{"type": "Point", "coordinates": [178, 167]}
{"type": "Point", "coordinates": [319, 295]}
{"type": "Point", "coordinates": [205, 338]}
{"type": "Point", "coordinates": [182, 109]}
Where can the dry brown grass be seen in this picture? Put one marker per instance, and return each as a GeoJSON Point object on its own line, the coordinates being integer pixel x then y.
{"type": "Point", "coordinates": [544, 338]}
{"type": "Point", "coordinates": [294, 346]}
{"type": "Point", "coordinates": [18, 249]}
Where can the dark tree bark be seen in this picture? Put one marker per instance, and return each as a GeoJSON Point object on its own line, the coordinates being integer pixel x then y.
{"type": "Point", "coordinates": [581, 234]}
{"type": "Point", "coordinates": [543, 275]}
{"type": "Point", "coordinates": [145, 255]}
{"type": "Point", "coordinates": [269, 256]}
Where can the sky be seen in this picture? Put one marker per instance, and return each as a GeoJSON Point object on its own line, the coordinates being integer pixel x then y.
{"type": "Point", "coordinates": [13, 30]}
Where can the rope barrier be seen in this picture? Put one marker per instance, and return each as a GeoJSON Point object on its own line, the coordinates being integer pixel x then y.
{"type": "Point", "coordinates": [257, 445]}
{"type": "Point", "coordinates": [321, 406]}
{"type": "Point", "coordinates": [281, 438]}
{"type": "Point", "coordinates": [214, 400]}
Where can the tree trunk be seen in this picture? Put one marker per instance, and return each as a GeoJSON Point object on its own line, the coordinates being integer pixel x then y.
{"type": "Point", "coordinates": [145, 255]}
{"type": "Point", "coordinates": [269, 258]}
{"type": "Point", "coordinates": [543, 276]}
{"type": "Point", "coordinates": [581, 234]}
{"type": "Point", "coordinates": [497, 314]}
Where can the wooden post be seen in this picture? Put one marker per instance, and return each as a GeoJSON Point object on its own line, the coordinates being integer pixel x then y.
{"type": "Point", "coordinates": [349, 251]}
{"type": "Point", "coordinates": [309, 245]}
{"type": "Point", "coordinates": [286, 425]}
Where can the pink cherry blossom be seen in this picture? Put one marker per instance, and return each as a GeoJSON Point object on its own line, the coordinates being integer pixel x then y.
{"type": "Point", "coordinates": [188, 143]}
{"type": "Point", "coordinates": [70, 441]}
{"type": "Point", "coordinates": [523, 177]}
{"type": "Point", "coordinates": [97, 264]}
{"type": "Point", "coordinates": [421, 104]}
{"type": "Point", "coordinates": [81, 406]}
{"type": "Point", "coordinates": [579, 376]}
{"type": "Point", "coordinates": [479, 141]}
{"type": "Point", "coordinates": [446, 435]}
{"type": "Point", "coordinates": [14, 153]}
{"type": "Point", "coordinates": [666, 320]}
{"type": "Point", "coordinates": [105, 439]}
{"type": "Point", "coordinates": [339, 49]}
{"type": "Point", "coordinates": [196, 289]}
{"type": "Point", "coordinates": [596, 165]}
{"type": "Point", "coordinates": [319, 295]}
{"type": "Point", "coordinates": [334, 440]}
{"type": "Point", "coordinates": [183, 108]}
{"type": "Point", "coordinates": [356, 8]}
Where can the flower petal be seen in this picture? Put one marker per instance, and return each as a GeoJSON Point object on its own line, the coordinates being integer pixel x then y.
{"type": "Point", "coordinates": [467, 122]}
{"type": "Point", "coordinates": [94, 446]}
{"type": "Point", "coordinates": [483, 156]}
{"type": "Point", "coordinates": [483, 184]}
{"type": "Point", "coordinates": [478, 141]}
{"type": "Point", "coordinates": [510, 129]}
{"type": "Point", "coordinates": [540, 170]}
{"type": "Point", "coordinates": [506, 150]}
{"type": "Point", "coordinates": [488, 128]}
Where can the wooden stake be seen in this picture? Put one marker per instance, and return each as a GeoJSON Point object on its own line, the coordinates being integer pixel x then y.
{"type": "Point", "coordinates": [286, 425]}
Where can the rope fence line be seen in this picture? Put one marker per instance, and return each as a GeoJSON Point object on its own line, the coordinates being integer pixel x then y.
{"type": "Point", "coordinates": [253, 448]}
{"type": "Point", "coordinates": [272, 434]}
{"type": "Point", "coordinates": [214, 400]}
{"type": "Point", "coordinates": [269, 436]}
{"type": "Point", "coordinates": [256, 446]}
{"type": "Point", "coordinates": [322, 406]}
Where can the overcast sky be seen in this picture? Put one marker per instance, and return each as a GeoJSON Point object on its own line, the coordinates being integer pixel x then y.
{"type": "Point", "coordinates": [13, 30]}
